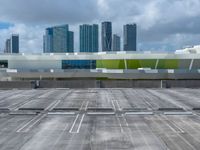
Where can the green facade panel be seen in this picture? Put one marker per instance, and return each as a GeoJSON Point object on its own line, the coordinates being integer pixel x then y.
{"type": "Point", "coordinates": [135, 64]}
{"type": "Point", "coordinates": [110, 64]}
{"type": "Point", "coordinates": [168, 64]}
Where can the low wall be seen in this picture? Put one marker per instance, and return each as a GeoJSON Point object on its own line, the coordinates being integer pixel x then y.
{"type": "Point", "coordinates": [16, 85]}
{"type": "Point", "coordinates": [101, 84]}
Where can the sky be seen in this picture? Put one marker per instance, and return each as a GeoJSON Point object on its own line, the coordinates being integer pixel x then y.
{"type": "Point", "coordinates": [163, 25]}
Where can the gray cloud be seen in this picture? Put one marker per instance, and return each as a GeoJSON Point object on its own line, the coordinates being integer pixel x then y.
{"type": "Point", "coordinates": [48, 11]}
{"type": "Point", "coordinates": [160, 22]}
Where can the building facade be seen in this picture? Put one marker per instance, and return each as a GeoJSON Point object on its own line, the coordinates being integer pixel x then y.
{"type": "Point", "coordinates": [8, 46]}
{"type": "Point", "coordinates": [130, 37]}
{"type": "Point", "coordinates": [116, 43]}
{"type": "Point", "coordinates": [59, 39]}
{"type": "Point", "coordinates": [106, 36]}
{"type": "Point", "coordinates": [117, 65]}
{"type": "Point", "coordinates": [48, 41]}
{"type": "Point", "coordinates": [89, 41]}
{"type": "Point", "coordinates": [12, 44]}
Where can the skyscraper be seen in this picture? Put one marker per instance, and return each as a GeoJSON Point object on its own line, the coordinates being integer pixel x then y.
{"type": "Point", "coordinates": [89, 41]}
{"type": "Point", "coordinates": [116, 43]}
{"type": "Point", "coordinates": [12, 44]}
{"type": "Point", "coordinates": [106, 36]}
{"type": "Point", "coordinates": [130, 37]}
{"type": "Point", "coordinates": [48, 40]}
{"type": "Point", "coordinates": [70, 41]}
{"type": "Point", "coordinates": [8, 46]}
{"type": "Point", "coordinates": [59, 39]}
{"type": "Point", "coordinates": [15, 43]}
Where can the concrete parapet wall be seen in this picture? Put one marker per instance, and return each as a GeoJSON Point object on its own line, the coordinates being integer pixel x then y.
{"type": "Point", "coordinates": [16, 84]}
{"type": "Point", "coordinates": [92, 83]}
{"type": "Point", "coordinates": [68, 84]}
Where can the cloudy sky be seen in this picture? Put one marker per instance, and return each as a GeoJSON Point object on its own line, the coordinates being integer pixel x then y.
{"type": "Point", "coordinates": [163, 25]}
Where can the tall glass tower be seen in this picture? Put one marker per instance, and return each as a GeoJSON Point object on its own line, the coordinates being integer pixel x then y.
{"type": "Point", "coordinates": [89, 41]}
{"type": "Point", "coordinates": [59, 39]}
{"type": "Point", "coordinates": [48, 40]}
{"type": "Point", "coordinates": [12, 44]}
{"type": "Point", "coordinates": [130, 37]}
{"type": "Point", "coordinates": [106, 36]}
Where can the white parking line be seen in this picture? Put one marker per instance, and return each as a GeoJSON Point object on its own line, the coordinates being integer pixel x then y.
{"type": "Point", "coordinates": [120, 124]}
{"type": "Point", "coordinates": [119, 108]}
{"type": "Point", "coordinates": [70, 131]}
{"type": "Point", "coordinates": [52, 105]}
{"type": "Point", "coordinates": [80, 123]}
{"type": "Point", "coordinates": [26, 127]}
{"type": "Point", "coordinates": [113, 105]}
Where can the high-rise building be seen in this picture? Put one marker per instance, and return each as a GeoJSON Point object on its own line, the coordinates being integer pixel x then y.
{"type": "Point", "coordinates": [70, 41]}
{"type": "Point", "coordinates": [89, 41]}
{"type": "Point", "coordinates": [106, 36]}
{"type": "Point", "coordinates": [15, 43]}
{"type": "Point", "coordinates": [130, 37]}
{"type": "Point", "coordinates": [12, 44]}
{"type": "Point", "coordinates": [48, 40]}
{"type": "Point", "coordinates": [8, 46]}
{"type": "Point", "coordinates": [58, 39]}
{"type": "Point", "coordinates": [116, 43]}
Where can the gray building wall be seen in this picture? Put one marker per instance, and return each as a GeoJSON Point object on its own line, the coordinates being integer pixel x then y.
{"type": "Point", "coordinates": [116, 43]}
{"type": "Point", "coordinates": [89, 38]}
{"type": "Point", "coordinates": [130, 37]}
{"type": "Point", "coordinates": [30, 65]}
{"type": "Point", "coordinates": [8, 46]}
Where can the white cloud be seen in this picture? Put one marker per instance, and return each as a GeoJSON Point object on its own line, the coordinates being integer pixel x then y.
{"type": "Point", "coordinates": [30, 37]}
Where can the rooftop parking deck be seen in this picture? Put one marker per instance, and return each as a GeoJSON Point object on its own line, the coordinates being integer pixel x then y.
{"type": "Point", "coordinates": [100, 119]}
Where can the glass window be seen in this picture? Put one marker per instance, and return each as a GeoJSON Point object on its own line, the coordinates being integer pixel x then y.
{"type": "Point", "coordinates": [3, 64]}
{"type": "Point", "coordinates": [79, 64]}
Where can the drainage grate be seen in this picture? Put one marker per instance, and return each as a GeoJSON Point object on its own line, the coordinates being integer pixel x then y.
{"type": "Point", "coordinates": [66, 109]}
{"type": "Point", "coordinates": [23, 113]}
{"type": "Point", "coordinates": [3, 110]}
{"type": "Point", "coordinates": [196, 108]}
{"type": "Point", "coordinates": [97, 109]}
{"type": "Point", "coordinates": [170, 109]}
{"type": "Point", "coordinates": [32, 109]}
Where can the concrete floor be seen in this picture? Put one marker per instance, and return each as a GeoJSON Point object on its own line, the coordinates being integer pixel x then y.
{"type": "Point", "coordinates": [100, 119]}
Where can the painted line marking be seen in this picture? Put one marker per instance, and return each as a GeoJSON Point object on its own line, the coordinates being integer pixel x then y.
{"type": "Point", "coordinates": [178, 113]}
{"type": "Point", "coordinates": [27, 126]}
{"type": "Point", "coordinates": [100, 113]}
{"type": "Point", "coordinates": [61, 113]}
{"type": "Point", "coordinates": [113, 105]}
{"type": "Point", "coordinates": [120, 124]}
{"type": "Point", "coordinates": [139, 113]}
{"type": "Point", "coordinates": [70, 131]}
{"type": "Point", "coordinates": [80, 123]}
{"type": "Point", "coordinates": [52, 105]}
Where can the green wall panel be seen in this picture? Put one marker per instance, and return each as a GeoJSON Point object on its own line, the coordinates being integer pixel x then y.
{"type": "Point", "coordinates": [135, 64]}
{"type": "Point", "coordinates": [168, 64]}
{"type": "Point", "coordinates": [110, 64]}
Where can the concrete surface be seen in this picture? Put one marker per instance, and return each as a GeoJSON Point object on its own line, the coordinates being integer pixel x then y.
{"type": "Point", "coordinates": [100, 119]}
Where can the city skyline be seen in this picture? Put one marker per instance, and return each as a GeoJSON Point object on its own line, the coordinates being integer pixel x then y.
{"type": "Point", "coordinates": [158, 27]}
